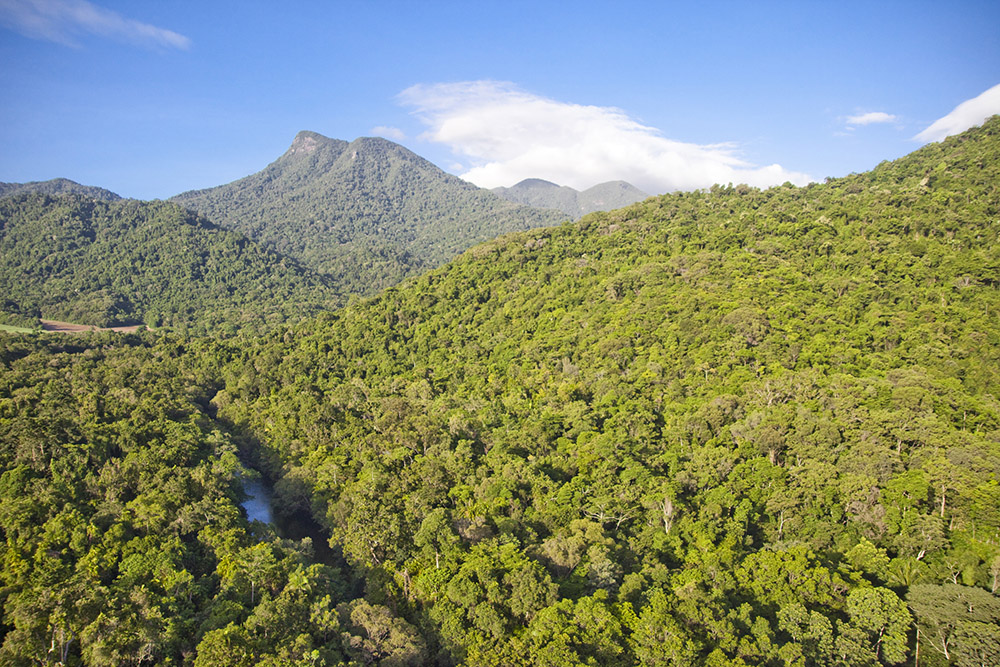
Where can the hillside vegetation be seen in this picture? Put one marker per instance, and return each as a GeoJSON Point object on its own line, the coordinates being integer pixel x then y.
{"type": "Point", "coordinates": [366, 213]}
{"type": "Point", "coordinates": [58, 186]}
{"type": "Point", "coordinates": [731, 427]}
{"type": "Point", "coordinates": [125, 262]}
{"type": "Point", "coordinates": [325, 221]}
{"type": "Point", "coordinates": [123, 541]}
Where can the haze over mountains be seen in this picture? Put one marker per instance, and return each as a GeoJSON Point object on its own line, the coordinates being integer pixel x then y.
{"type": "Point", "coordinates": [545, 194]}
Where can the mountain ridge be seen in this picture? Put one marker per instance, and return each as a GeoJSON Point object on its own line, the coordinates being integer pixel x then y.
{"type": "Point", "coordinates": [540, 193]}
{"type": "Point", "coordinates": [367, 213]}
{"type": "Point", "coordinates": [723, 427]}
{"type": "Point", "coordinates": [701, 409]}
{"type": "Point", "coordinates": [58, 186]}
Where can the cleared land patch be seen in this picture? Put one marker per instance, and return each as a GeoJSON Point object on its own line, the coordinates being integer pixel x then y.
{"type": "Point", "coordinates": [68, 327]}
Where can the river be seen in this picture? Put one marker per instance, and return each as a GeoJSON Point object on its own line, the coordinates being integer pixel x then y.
{"type": "Point", "coordinates": [259, 506]}
{"type": "Point", "coordinates": [258, 502]}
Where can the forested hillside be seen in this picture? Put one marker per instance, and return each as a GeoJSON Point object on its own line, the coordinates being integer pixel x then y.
{"type": "Point", "coordinates": [366, 213]}
{"type": "Point", "coordinates": [574, 203]}
{"type": "Point", "coordinates": [58, 186]}
{"type": "Point", "coordinates": [83, 260]}
{"type": "Point", "coordinates": [123, 543]}
{"type": "Point", "coordinates": [725, 427]}
{"type": "Point", "coordinates": [731, 427]}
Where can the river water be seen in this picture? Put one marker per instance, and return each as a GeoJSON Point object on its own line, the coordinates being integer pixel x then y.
{"type": "Point", "coordinates": [259, 506]}
{"type": "Point", "coordinates": [258, 503]}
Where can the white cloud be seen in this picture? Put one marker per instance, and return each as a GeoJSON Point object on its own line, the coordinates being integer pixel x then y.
{"type": "Point", "coordinates": [62, 20]}
{"type": "Point", "coordinates": [870, 118]}
{"type": "Point", "coordinates": [965, 115]}
{"type": "Point", "coordinates": [389, 132]}
{"type": "Point", "coordinates": [507, 135]}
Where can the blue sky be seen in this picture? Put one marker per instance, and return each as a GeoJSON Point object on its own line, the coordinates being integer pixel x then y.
{"type": "Point", "coordinates": [150, 99]}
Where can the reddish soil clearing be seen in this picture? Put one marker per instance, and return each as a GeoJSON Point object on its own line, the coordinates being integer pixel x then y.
{"type": "Point", "coordinates": [67, 327]}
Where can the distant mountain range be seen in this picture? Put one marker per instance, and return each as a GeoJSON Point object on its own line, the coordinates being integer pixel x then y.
{"type": "Point", "coordinates": [58, 186]}
{"type": "Point", "coordinates": [544, 194]}
{"type": "Point", "coordinates": [365, 213]}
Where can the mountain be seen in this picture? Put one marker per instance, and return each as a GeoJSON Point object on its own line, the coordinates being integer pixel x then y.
{"type": "Point", "coordinates": [84, 260]}
{"type": "Point", "coordinates": [544, 194]}
{"type": "Point", "coordinates": [58, 186]}
{"type": "Point", "coordinates": [727, 427]}
{"type": "Point", "coordinates": [366, 213]}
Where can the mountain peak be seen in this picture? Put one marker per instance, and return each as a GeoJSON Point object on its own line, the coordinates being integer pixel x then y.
{"type": "Point", "coordinates": [306, 142]}
{"type": "Point", "coordinates": [367, 212]}
{"type": "Point", "coordinates": [537, 183]}
{"type": "Point", "coordinates": [58, 186]}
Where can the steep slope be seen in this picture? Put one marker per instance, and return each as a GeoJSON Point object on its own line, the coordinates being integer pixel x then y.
{"type": "Point", "coordinates": [365, 213]}
{"type": "Point", "coordinates": [75, 258]}
{"type": "Point", "coordinates": [544, 194]}
{"type": "Point", "coordinates": [725, 427]}
{"type": "Point", "coordinates": [58, 186]}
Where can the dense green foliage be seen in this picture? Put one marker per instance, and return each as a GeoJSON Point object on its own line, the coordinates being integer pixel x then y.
{"type": "Point", "coordinates": [78, 259]}
{"type": "Point", "coordinates": [574, 203]}
{"type": "Point", "coordinates": [123, 543]}
{"type": "Point", "coordinates": [58, 186]}
{"type": "Point", "coordinates": [366, 213]}
{"type": "Point", "coordinates": [727, 427]}
{"type": "Point", "coordinates": [733, 427]}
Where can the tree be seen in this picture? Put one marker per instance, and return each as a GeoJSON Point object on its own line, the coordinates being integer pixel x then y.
{"type": "Point", "coordinates": [880, 616]}
{"type": "Point", "coordinates": [811, 630]}
{"type": "Point", "coordinates": [946, 617]}
{"type": "Point", "coordinates": [436, 536]}
{"type": "Point", "coordinates": [229, 647]}
{"type": "Point", "coordinates": [976, 643]}
{"type": "Point", "coordinates": [657, 638]}
{"type": "Point", "coordinates": [868, 558]}
{"type": "Point", "coordinates": [581, 632]}
{"type": "Point", "coordinates": [373, 636]}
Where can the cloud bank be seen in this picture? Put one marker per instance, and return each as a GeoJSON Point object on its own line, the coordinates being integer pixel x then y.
{"type": "Point", "coordinates": [965, 115]}
{"type": "Point", "coordinates": [507, 134]}
{"type": "Point", "coordinates": [871, 118]}
{"type": "Point", "coordinates": [61, 21]}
